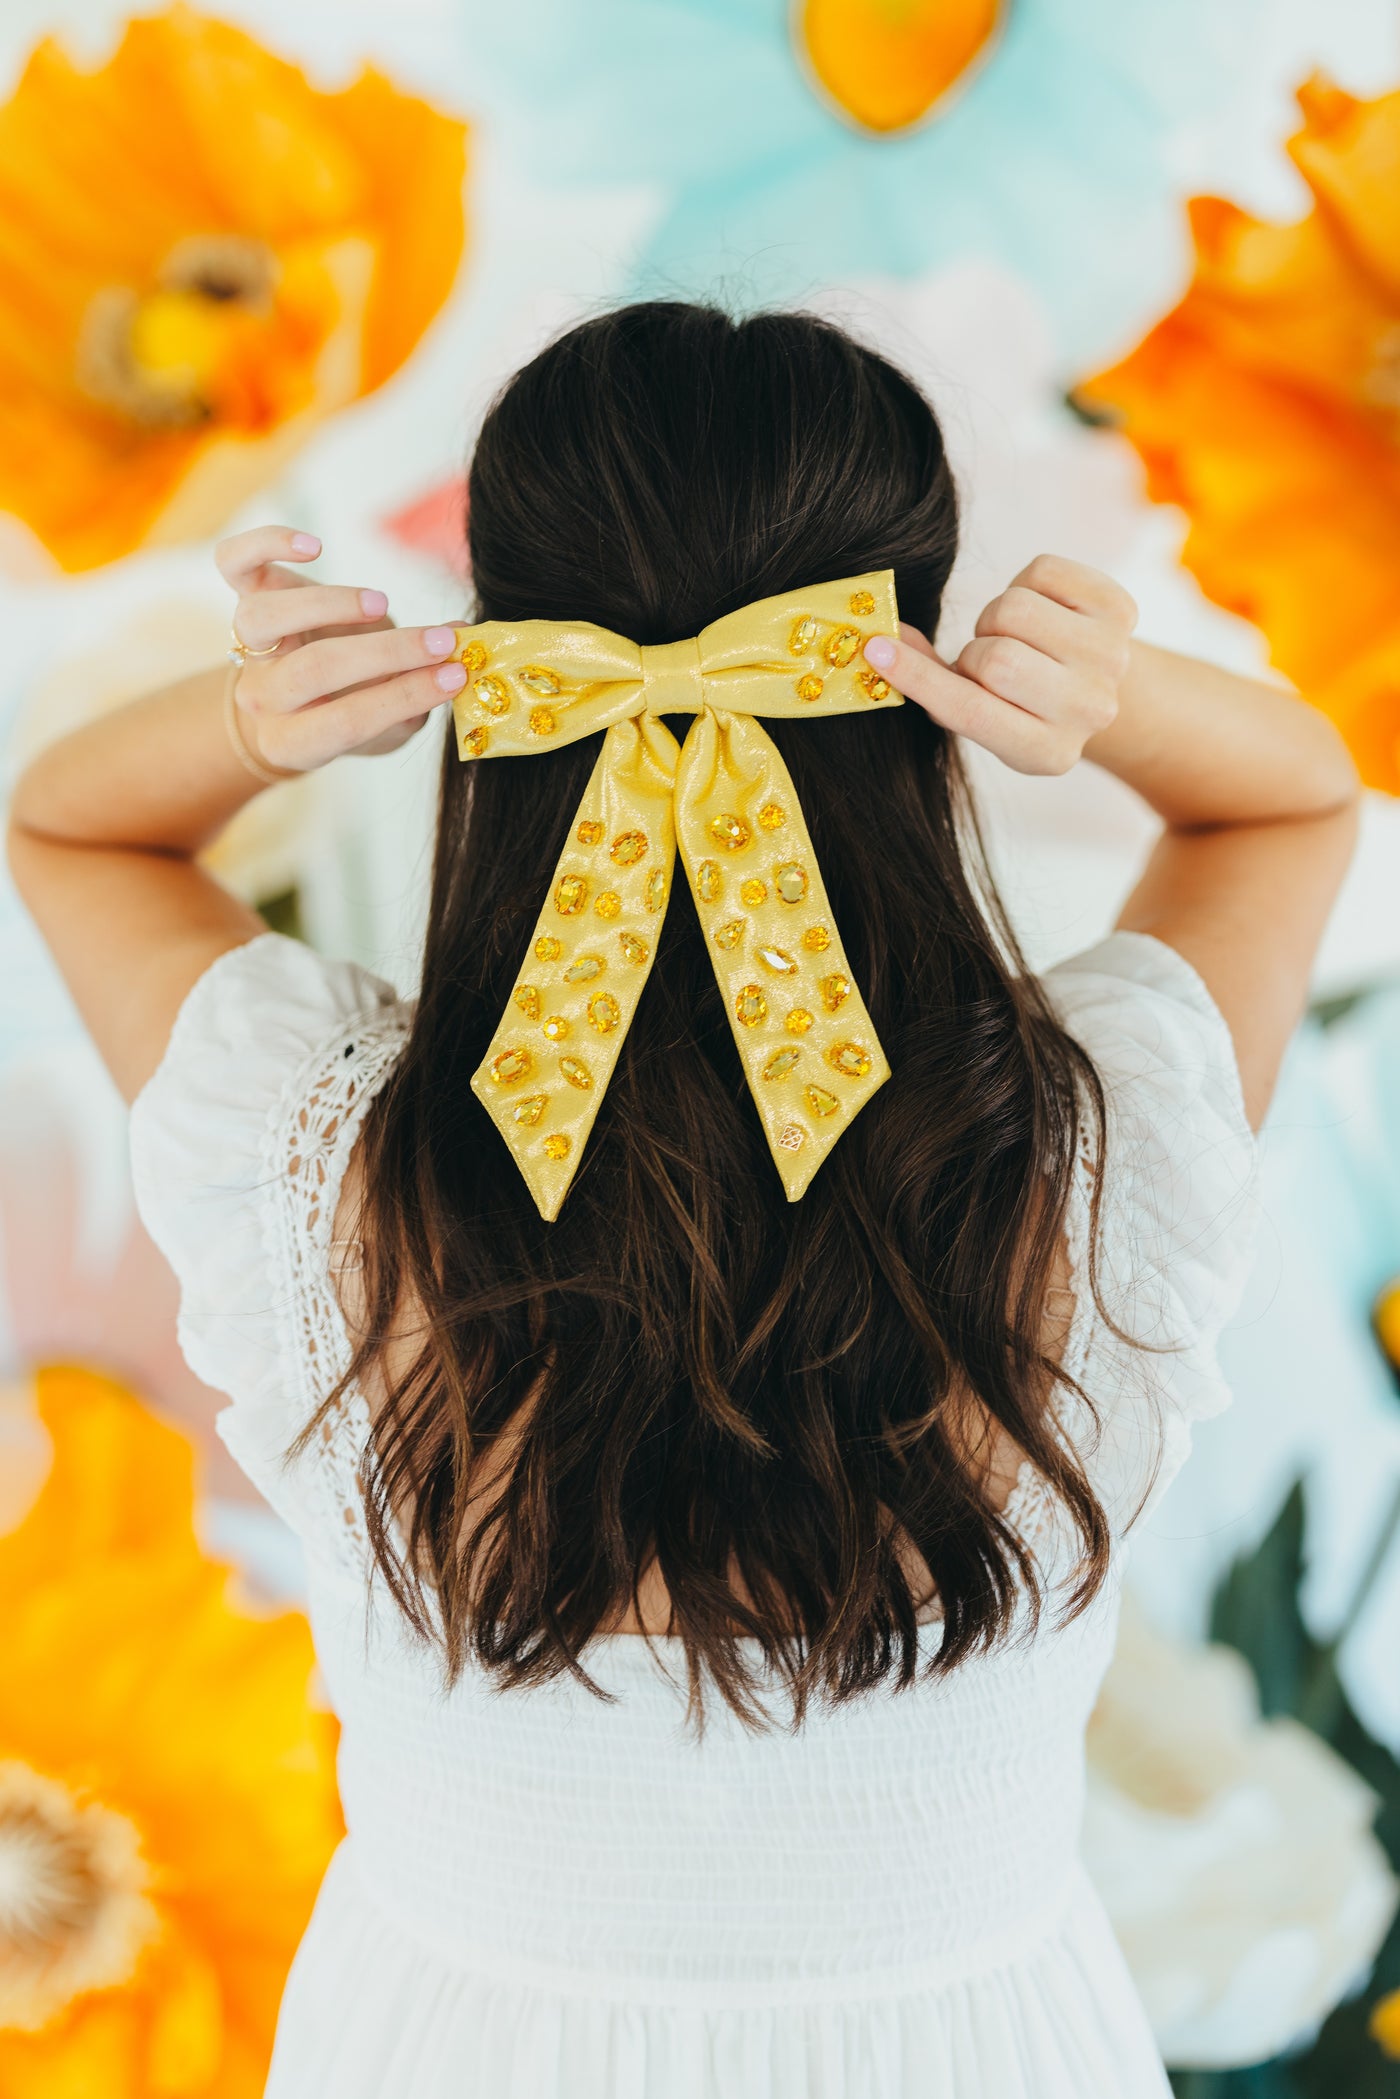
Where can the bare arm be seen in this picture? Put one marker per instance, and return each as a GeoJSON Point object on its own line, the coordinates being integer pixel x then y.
{"type": "Point", "coordinates": [1260, 798]}
{"type": "Point", "coordinates": [105, 824]}
{"type": "Point", "coordinates": [1255, 788]}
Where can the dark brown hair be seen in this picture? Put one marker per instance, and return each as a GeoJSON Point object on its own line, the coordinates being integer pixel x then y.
{"type": "Point", "coordinates": [765, 1401]}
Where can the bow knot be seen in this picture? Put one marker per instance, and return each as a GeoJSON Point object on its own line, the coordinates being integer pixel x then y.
{"type": "Point", "coordinates": [671, 678]}
{"type": "Point", "coordinates": [725, 799]}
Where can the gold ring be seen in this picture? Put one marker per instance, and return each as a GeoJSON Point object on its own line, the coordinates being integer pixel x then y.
{"type": "Point", "coordinates": [239, 651]}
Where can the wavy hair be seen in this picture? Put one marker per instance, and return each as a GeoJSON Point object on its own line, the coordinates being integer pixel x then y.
{"type": "Point", "coordinates": [766, 1404]}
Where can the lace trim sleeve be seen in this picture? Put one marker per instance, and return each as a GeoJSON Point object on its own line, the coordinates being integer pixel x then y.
{"type": "Point", "coordinates": [238, 1146]}
{"type": "Point", "coordinates": [307, 1152]}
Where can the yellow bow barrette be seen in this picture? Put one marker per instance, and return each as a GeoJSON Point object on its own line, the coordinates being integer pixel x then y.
{"type": "Point", "coordinates": [808, 1047]}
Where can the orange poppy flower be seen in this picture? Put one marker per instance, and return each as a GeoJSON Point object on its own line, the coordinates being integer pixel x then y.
{"type": "Point", "coordinates": [887, 63]}
{"type": "Point", "coordinates": [1267, 404]}
{"type": "Point", "coordinates": [167, 1794]}
{"type": "Point", "coordinates": [200, 257]}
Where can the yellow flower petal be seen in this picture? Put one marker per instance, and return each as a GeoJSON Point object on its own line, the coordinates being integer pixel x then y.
{"type": "Point", "coordinates": [1384, 2024]}
{"type": "Point", "coordinates": [1267, 405]}
{"type": "Point", "coordinates": [194, 1734]}
{"type": "Point", "coordinates": [885, 63]}
{"type": "Point", "coordinates": [220, 256]}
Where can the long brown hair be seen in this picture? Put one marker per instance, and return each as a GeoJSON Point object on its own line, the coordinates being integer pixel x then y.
{"type": "Point", "coordinates": [764, 1402]}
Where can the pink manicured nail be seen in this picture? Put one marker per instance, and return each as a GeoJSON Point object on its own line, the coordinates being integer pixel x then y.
{"type": "Point", "coordinates": [373, 604]}
{"type": "Point", "coordinates": [305, 543]}
{"type": "Point", "coordinates": [438, 641]}
{"type": "Point", "coordinates": [450, 677]}
{"type": "Point", "coordinates": [880, 652]}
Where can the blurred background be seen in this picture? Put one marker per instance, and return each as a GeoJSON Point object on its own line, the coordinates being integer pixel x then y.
{"type": "Point", "coordinates": [272, 263]}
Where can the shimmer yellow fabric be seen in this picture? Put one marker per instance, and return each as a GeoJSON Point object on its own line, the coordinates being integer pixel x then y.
{"type": "Point", "coordinates": [725, 799]}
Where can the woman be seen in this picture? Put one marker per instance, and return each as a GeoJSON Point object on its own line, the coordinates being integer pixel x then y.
{"type": "Point", "coordinates": [713, 1587]}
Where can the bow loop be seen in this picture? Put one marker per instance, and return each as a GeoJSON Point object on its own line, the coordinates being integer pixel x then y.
{"type": "Point", "coordinates": [726, 801]}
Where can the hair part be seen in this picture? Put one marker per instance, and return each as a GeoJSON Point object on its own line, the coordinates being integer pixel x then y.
{"type": "Point", "coordinates": [767, 1404]}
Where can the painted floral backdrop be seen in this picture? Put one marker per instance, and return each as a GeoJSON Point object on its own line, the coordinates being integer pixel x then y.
{"type": "Point", "coordinates": [269, 262]}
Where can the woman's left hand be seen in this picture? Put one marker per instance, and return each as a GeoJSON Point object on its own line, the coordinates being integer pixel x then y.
{"type": "Point", "coordinates": [1041, 674]}
{"type": "Point", "coordinates": [342, 677]}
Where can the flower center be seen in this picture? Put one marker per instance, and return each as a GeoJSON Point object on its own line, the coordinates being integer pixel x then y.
{"type": "Point", "coordinates": [49, 1892]}
{"type": "Point", "coordinates": [157, 357]}
{"type": "Point", "coordinates": [73, 1914]}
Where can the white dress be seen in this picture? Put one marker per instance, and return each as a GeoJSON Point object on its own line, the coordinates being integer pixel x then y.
{"type": "Point", "coordinates": [544, 1896]}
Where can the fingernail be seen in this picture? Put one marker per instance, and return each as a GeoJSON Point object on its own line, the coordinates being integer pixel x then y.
{"type": "Point", "coordinates": [373, 604]}
{"type": "Point", "coordinates": [439, 640]}
{"type": "Point", "coordinates": [305, 543]}
{"type": "Point", "coordinates": [880, 652]}
{"type": "Point", "coordinates": [450, 677]}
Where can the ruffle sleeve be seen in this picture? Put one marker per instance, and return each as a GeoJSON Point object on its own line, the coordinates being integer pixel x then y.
{"type": "Point", "coordinates": [1177, 1204]}
{"type": "Point", "coordinates": [238, 1144]}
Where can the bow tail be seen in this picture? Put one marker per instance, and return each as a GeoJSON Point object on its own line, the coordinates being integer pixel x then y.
{"type": "Point", "coordinates": [544, 1075]}
{"type": "Point", "coordinates": [808, 1047]}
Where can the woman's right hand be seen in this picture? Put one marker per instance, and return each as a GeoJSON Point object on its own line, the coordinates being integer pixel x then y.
{"type": "Point", "coordinates": [343, 678]}
{"type": "Point", "coordinates": [1041, 674]}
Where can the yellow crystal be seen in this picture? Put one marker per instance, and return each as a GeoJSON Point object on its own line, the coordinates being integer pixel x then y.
{"type": "Point", "coordinates": [576, 1073]}
{"type": "Point", "coordinates": [862, 604]}
{"type": "Point", "coordinates": [630, 847]}
{"type": "Point", "coordinates": [547, 948]}
{"type": "Point", "coordinates": [556, 1027]}
{"type": "Point", "coordinates": [492, 695]}
{"type": "Point", "coordinates": [849, 1058]}
{"type": "Point", "coordinates": [816, 940]}
{"type": "Point", "coordinates": [604, 1013]}
{"type": "Point", "coordinates": [835, 991]}
{"type": "Point", "coordinates": [542, 722]}
{"type": "Point", "coordinates": [729, 831]}
{"type": "Point", "coordinates": [803, 635]}
{"type": "Point", "coordinates": [709, 881]}
{"type": "Point", "coordinates": [772, 816]}
{"type": "Point", "coordinates": [474, 743]}
{"type": "Point", "coordinates": [558, 1146]}
{"type": "Point", "coordinates": [798, 1021]}
{"type": "Point", "coordinates": [656, 889]}
{"type": "Point", "coordinates": [753, 892]}
{"type": "Point", "coordinates": [528, 1000]}
{"type": "Point", "coordinates": [730, 935]}
{"type": "Point", "coordinates": [570, 895]}
{"type": "Point", "coordinates": [633, 950]}
{"type": "Point", "coordinates": [778, 960]}
{"type": "Point", "coordinates": [584, 970]}
{"type": "Point", "coordinates": [792, 1137]}
{"type": "Point", "coordinates": [820, 1101]}
{"type": "Point", "coordinates": [589, 833]}
{"type": "Point", "coordinates": [511, 1066]}
{"type": "Point", "coordinates": [608, 904]}
{"type": "Point", "coordinates": [790, 881]}
{"type": "Point", "coordinates": [873, 685]}
{"type": "Point", "coordinates": [809, 688]}
{"type": "Point", "coordinates": [474, 656]}
{"type": "Point", "coordinates": [541, 682]}
{"type": "Point", "coordinates": [781, 1063]}
{"type": "Point", "coordinates": [750, 1006]}
{"type": "Point", "coordinates": [841, 647]}
{"type": "Point", "coordinates": [530, 1109]}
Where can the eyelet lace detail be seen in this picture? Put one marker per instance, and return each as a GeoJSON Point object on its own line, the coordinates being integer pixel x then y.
{"type": "Point", "coordinates": [310, 1152]}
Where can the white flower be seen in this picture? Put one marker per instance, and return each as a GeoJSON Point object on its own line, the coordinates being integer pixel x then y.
{"type": "Point", "coordinates": [1235, 1854]}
